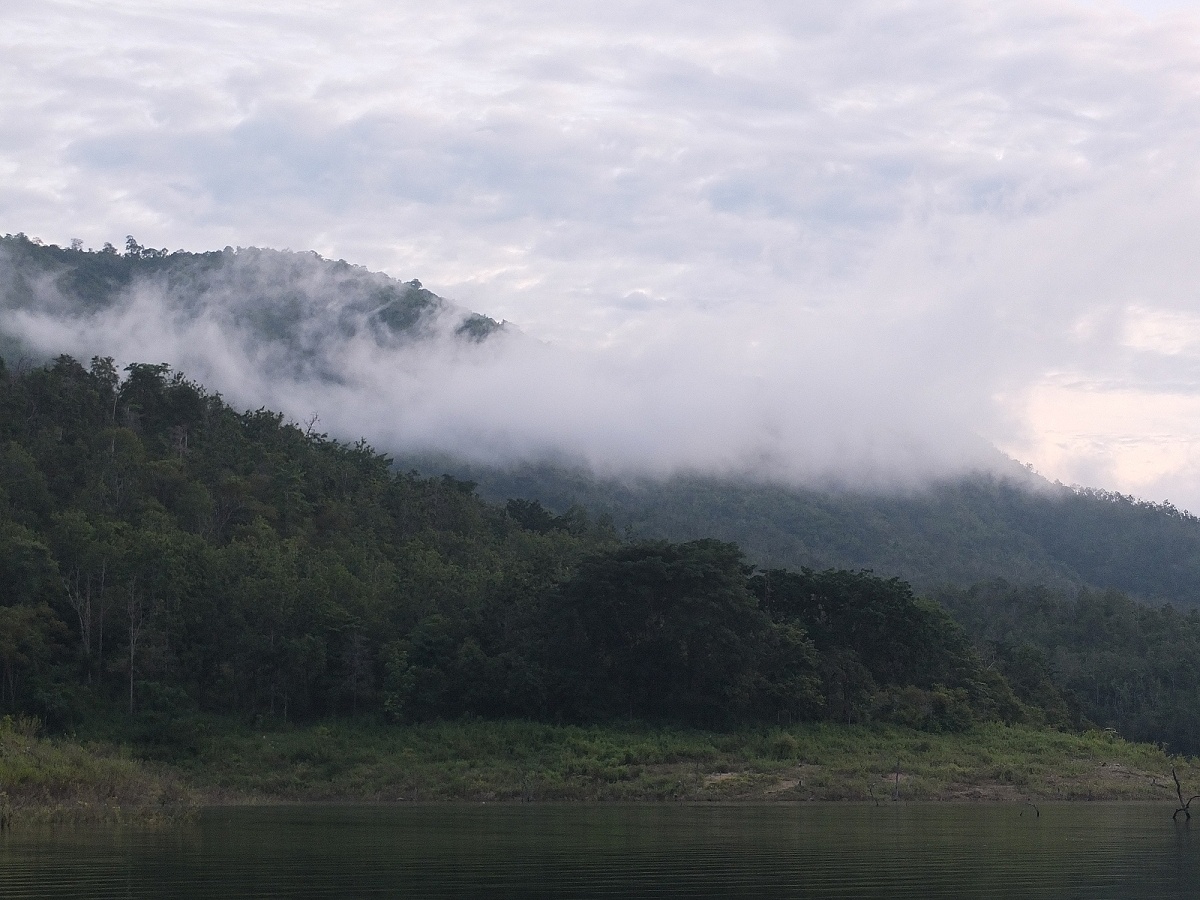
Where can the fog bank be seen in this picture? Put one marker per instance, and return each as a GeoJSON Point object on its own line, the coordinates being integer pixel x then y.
{"type": "Point", "coordinates": [374, 357]}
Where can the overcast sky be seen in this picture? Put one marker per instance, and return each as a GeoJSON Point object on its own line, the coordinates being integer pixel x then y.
{"type": "Point", "coordinates": [967, 216]}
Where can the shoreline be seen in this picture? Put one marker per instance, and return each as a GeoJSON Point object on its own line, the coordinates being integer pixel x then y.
{"type": "Point", "coordinates": [59, 780]}
{"type": "Point", "coordinates": [521, 761]}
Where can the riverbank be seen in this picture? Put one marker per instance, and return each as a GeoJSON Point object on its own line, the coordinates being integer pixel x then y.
{"type": "Point", "coordinates": [60, 780]}
{"type": "Point", "coordinates": [514, 761]}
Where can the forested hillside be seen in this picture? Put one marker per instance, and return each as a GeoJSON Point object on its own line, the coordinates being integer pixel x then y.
{"type": "Point", "coordinates": [276, 323]}
{"type": "Point", "coordinates": [1119, 663]}
{"type": "Point", "coordinates": [162, 553]}
{"type": "Point", "coordinates": [156, 539]}
{"type": "Point", "coordinates": [272, 324]}
{"type": "Point", "coordinates": [164, 556]}
{"type": "Point", "coordinates": [1020, 528]}
{"type": "Point", "coordinates": [292, 313]}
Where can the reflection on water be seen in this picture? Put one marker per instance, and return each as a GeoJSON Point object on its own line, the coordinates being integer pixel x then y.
{"type": "Point", "coordinates": [570, 851]}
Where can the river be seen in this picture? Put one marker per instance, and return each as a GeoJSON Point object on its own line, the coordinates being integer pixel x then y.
{"type": "Point", "coordinates": [609, 851]}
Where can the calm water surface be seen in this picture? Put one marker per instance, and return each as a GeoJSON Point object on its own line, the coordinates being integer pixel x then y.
{"type": "Point", "coordinates": [569, 851]}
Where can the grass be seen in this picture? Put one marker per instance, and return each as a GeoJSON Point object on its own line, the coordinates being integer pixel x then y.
{"type": "Point", "coordinates": [59, 781]}
{"type": "Point", "coordinates": [531, 761]}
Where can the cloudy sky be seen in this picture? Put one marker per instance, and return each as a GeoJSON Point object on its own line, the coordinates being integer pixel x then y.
{"type": "Point", "coordinates": [918, 219]}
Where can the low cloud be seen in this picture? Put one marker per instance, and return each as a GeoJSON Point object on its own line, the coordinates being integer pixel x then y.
{"type": "Point", "coordinates": [297, 333]}
{"type": "Point", "coordinates": [858, 237]}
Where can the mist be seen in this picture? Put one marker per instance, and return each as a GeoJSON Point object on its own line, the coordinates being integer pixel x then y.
{"type": "Point", "coordinates": [865, 243]}
{"type": "Point", "coordinates": [302, 335]}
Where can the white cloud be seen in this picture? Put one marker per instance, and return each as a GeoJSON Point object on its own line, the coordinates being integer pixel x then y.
{"type": "Point", "coordinates": [1169, 332]}
{"type": "Point", "coordinates": [906, 209]}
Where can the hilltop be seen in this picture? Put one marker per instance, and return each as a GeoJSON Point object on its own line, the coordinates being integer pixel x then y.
{"type": "Point", "coordinates": [293, 313]}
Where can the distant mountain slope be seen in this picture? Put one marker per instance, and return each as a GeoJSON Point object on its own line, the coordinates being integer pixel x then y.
{"type": "Point", "coordinates": [294, 313]}
{"type": "Point", "coordinates": [1022, 529]}
{"type": "Point", "coordinates": [298, 332]}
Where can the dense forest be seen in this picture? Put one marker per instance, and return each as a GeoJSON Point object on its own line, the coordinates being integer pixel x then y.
{"type": "Point", "coordinates": [1116, 662]}
{"type": "Point", "coordinates": [283, 322]}
{"type": "Point", "coordinates": [1017, 527]}
{"type": "Point", "coordinates": [154, 537]}
{"type": "Point", "coordinates": [163, 554]}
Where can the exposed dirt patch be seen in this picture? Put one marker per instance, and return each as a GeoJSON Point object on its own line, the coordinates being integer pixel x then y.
{"type": "Point", "coordinates": [717, 777]}
{"type": "Point", "coordinates": [784, 784]}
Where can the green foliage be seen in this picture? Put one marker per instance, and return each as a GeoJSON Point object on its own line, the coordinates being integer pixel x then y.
{"type": "Point", "coordinates": [278, 298]}
{"type": "Point", "coordinates": [884, 653]}
{"type": "Point", "coordinates": [523, 760]}
{"type": "Point", "coordinates": [154, 541]}
{"type": "Point", "coordinates": [44, 780]}
{"type": "Point", "coordinates": [962, 531]}
{"type": "Point", "coordinates": [659, 630]}
{"type": "Point", "coordinates": [477, 327]}
{"type": "Point", "coordinates": [1091, 656]}
{"type": "Point", "coordinates": [168, 556]}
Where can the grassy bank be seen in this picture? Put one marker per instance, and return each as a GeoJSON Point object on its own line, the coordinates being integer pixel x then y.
{"type": "Point", "coordinates": [60, 781]}
{"type": "Point", "coordinates": [486, 761]}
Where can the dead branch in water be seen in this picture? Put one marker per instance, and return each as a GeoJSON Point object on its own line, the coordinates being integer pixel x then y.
{"type": "Point", "coordinates": [1183, 804]}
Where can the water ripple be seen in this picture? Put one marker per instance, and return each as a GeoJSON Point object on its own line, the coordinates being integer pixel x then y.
{"type": "Point", "coordinates": [571, 851]}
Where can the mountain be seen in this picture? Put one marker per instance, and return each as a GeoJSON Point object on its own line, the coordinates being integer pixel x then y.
{"type": "Point", "coordinates": [291, 314]}
{"type": "Point", "coordinates": [1020, 527]}
{"type": "Point", "coordinates": [391, 360]}
{"type": "Point", "coordinates": [164, 552]}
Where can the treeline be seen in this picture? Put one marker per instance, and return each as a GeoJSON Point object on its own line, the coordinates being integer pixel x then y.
{"type": "Point", "coordinates": [162, 554]}
{"type": "Point", "coordinates": [961, 531]}
{"type": "Point", "coordinates": [1092, 655]}
{"type": "Point", "coordinates": [688, 632]}
{"type": "Point", "coordinates": [159, 547]}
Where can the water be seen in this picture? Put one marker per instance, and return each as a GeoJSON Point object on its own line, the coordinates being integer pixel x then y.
{"type": "Point", "coordinates": [573, 851]}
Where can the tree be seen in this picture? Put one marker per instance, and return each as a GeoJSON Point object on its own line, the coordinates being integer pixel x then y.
{"type": "Point", "coordinates": [27, 637]}
{"type": "Point", "coordinates": [660, 629]}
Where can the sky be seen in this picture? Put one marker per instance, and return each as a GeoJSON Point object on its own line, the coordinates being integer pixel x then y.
{"type": "Point", "coordinates": [879, 231]}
